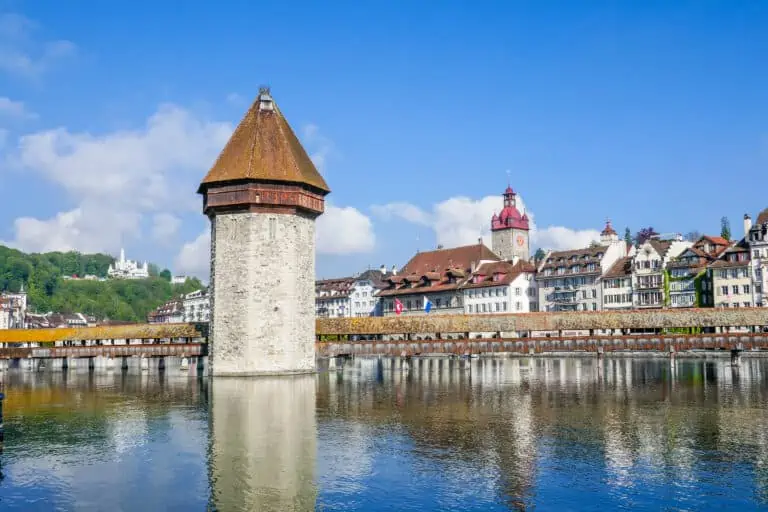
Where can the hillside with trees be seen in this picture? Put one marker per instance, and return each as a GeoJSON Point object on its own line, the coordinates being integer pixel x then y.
{"type": "Point", "coordinates": [43, 278]}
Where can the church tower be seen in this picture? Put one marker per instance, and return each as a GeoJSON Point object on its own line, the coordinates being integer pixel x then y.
{"type": "Point", "coordinates": [509, 230]}
{"type": "Point", "coordinates": [262, 196]}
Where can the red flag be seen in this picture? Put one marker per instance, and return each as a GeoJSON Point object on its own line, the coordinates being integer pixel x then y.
{"type": "Point", "coordinates": [398, 307]}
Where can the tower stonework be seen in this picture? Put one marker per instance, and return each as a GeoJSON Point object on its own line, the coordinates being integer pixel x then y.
{"type": "Point", "coordinates": [262, 197]}
{"type": "Point", "coordinates": [509, 230]}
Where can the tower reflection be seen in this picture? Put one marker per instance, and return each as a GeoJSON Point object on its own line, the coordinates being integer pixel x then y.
{"type": "Point", "coordinates": [263, 444]}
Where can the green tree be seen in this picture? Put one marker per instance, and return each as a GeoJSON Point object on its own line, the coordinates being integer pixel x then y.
{"type": "Point", "coordinates": [166, 274]}
{"type": "Point", "coordinates": [540, 254]}
{"type": "Point", "coordinates": [628, 237]}
{"type": "Point", "coordinates": [725, 228]}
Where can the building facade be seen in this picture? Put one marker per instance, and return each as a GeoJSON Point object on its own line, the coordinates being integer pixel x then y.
{"type": "Point", "coordinates": [648, 270]}
{"type": "Point", "coordinates": [436, 276]}
{"type": "Point", "coordinates": [731, 277]}
{"type": "Point", "coordinates": [332, 298]}
{"type": "Point", "coordinates": [509, 230]}
{"type": "Point", "coordinates": [688, 281]}
{"type": "Point", "coordinates": [570, 280]}
{"type": "Point", "coordinates": [127, 269]}
{"type": "Point", "coordinates": [616, 285]}
{"type": "Point", "coordinates": [501, 287]}
{"type": "Point", "coordinates": [757, 238]}
{"type": "Point", "coordinates": [13, 310]}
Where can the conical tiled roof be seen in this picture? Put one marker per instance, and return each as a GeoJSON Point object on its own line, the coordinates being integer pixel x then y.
{"type": "Point", "coordinates": [264, 148]}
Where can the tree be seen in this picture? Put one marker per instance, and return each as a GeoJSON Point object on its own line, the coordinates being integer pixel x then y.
{"type": "Point", "coordinates": [628, 237]}
{"type": "Point", "coordinates": [725, 228]}
{"type": "Point", "coordinates": [644, 235]}
{"type": "Point", "coordinates": [692, 236]}
{"type": "Point", "coordinates": [166, 274]}
{"type": "Point", "coordinates": [540, 254]}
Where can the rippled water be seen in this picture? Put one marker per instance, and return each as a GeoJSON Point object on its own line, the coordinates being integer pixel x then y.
{"type": "Point", "coordinates": [511, 434]}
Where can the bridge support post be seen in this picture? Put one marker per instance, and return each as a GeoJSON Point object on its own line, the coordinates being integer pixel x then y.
{"type": "Point", "coordinates": [600, 353]}
{"type": "Point", "coordinates": [736, 354]}
{"type": "Point", "coordinates": [184, 364]}
{"type": "Point", "coordinates": [672, 353]}
{"type": "Point", "coordinates": [144, 364]}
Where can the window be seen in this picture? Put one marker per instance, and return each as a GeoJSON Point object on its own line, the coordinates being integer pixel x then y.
{"type": "Point", "coordinates": [746, 304]}
{"type": "Point", "coordinates": [517, 291]}
{"type": "Point", "coordinates": [470, 308]}
{"type": "Point", "coordinates": [438, 302]}
{"type": "Point", "coordinates": [723, 274]}
{"type": "Point", "coordinates": [745, 288]}
{"type": "Point", "coordinates": [735, 304]}
{"type": "Point", "coordinates": [583, 294]}
{"type": "Point", "coordinates": [518, 306]}
{"type": "Point", "coordinates": [504, 291]}
{"type": "Point", "coordinates": [407, 304]}
{"type": "Point", "coordinates": [498, 307]}
{"type": "Point", "coordinates": [735, 289]}
{"type": "Point", "coordinates": [594, 293]}
{"type": "Point", "coordinates": [757, 253]}
{"type": "Point", "coordinates": [594, 306]}
{"type": "Point", "coordinates": [504, 306]}
{"type": "Point", "coordinates": [484, 308]}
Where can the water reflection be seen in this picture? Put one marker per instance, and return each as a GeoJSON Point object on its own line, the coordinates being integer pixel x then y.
{"type": "Point", "coordinates": [263, 444]}
{"type": "Point", "coordinates": [506, 434]}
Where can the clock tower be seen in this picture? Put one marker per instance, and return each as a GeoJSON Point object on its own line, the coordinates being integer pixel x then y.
{"type": "Point", "coordinates": [509, 230]}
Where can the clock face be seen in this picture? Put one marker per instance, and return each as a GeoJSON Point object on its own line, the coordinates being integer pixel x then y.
{"type": "Point", "coordinates": [520, 240]}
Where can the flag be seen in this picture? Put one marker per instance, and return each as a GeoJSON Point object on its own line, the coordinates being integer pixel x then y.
{"type": "Point", "coordinates": [398, 307]}
{"type": "Point", "coordinates": [427, 304]}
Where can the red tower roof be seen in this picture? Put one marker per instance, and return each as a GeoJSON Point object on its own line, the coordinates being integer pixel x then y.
{"type": "Point", "coordinates": [608, 229]}
{"type": "Point", "coordinates": [509, 217]}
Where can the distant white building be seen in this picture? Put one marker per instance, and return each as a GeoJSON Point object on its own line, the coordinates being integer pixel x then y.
{"type": "Point", "coordinates": [192, 307]}
{"type": "Point", "coordinates": [13, 310]}
{"type": "Point", "coordinates": [501, 287]}
{"type": "Point", "coordinates": [179, 279]}
{"type": "Point", "coordinates": [128, 269]}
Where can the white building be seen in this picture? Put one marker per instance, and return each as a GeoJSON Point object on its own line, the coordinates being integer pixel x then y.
{"type": "Point", "coordinates": [197, 306]}
{"type": "Point", "coordinates": [617, 285]}
{"type": "Point", "coordinates": [364, 293]}
{"type": "Point", "coordinates": [570, 280]}
{"type": "Point", "coordinates": [501, 287]}
{"type": "Point", "coordinates": [192, 307]}
{"type": "Point", "coordinates": [13, 310]}
{"type": "Point", "coordinates": [179, 279]}
{"type": "Point", "coordinates": [357, 296]}
{"type": "Point", "coordinates": [757, 237]}
{"type": "Point", "coordinates": [127, 269]}
{"type": "Point", "coordinates": [648, 266]}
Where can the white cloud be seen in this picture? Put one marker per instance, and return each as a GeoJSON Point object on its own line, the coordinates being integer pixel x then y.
{"type": "Point", "coordinates": [117, 178]}
{"type": "Point", "coordinates": [344, 231]}
{"type": "Point", "coordinates": [461, 221]}
{"type": "Point", "coordinates": [164, 226]}
{"type": "Point", "coordinates": [14, 109]}
{"type": "Point", "coordinates": [194, 258]}
{"type": "Point", "coordinates": [319, 147]}
{"type": "Point", "coordinates": [21, 54]}
{"type": "Point", "coordinates": [235, 99]}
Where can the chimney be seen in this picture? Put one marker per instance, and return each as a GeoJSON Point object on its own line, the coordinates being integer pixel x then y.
{"type": "Point", "coordinates": [473, 266]}
{"type": "Point", "coordinates": [383, 270]}
{"type": "Point", "coordinates": [394, 270]}
{"type": "Point", "coordinates": [479, 240]}
{"type": "Point", "coordinates": [747, 224]}
{"type": "Point", "coordinates": [439, 247]}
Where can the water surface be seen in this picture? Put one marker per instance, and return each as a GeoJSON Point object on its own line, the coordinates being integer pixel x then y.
{"type": "Point", "coordinates": [502, 434]}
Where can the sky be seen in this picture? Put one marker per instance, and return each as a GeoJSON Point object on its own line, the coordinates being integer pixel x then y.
{"type": "Point", "coordinates": [418, 114]}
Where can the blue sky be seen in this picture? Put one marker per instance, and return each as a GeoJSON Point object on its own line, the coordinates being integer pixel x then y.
{"type": "Point", "coordinates": [650, 113]}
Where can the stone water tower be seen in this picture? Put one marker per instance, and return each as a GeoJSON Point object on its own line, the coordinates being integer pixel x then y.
{"type": "Point", "coordinates": [262, 197]}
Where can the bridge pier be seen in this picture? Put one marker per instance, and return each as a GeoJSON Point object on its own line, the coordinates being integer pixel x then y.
{"type": "Point", "coordinates": [736, 355]}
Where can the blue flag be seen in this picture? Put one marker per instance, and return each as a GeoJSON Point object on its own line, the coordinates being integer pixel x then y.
{"type": "Point", "coordinates": [427, 305]}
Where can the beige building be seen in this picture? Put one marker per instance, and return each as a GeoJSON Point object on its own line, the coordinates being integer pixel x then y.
{"type": "Point", "coordinates": [617, 285]}
{"type": "Point", "coordinates": [731, 278]}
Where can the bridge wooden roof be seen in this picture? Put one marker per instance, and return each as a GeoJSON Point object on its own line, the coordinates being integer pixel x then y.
{"type": "Point", "coordinates": [550, 321]}
{"type": "Point", "coordinates": [106, 332]}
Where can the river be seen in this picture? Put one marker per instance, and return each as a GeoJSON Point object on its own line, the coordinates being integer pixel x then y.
{"type": "Point", "coordinates": [485, 435]}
